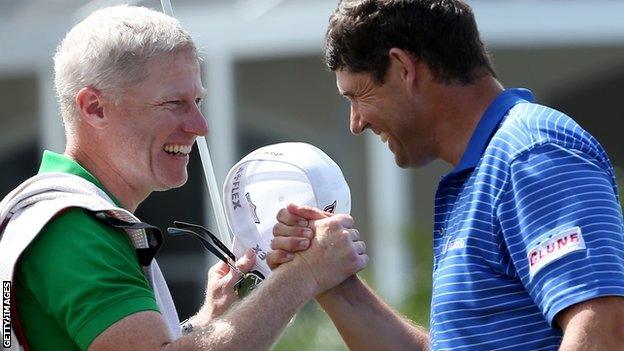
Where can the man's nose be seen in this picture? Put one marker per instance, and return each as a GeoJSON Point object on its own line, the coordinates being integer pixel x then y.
{"type": "Point", "coordinates": [196, 122]}
{"type": "Point", "coordinates": [355, 121]}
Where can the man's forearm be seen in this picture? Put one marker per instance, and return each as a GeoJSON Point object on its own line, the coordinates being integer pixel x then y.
{"type": "Point", "coordinates": [255, 322]}
{"type": "Point", "coordinates": [596, 324]}
{"type": "Point", "coordinates": [367, 323]}
{"type": "Point", "coordinates": [585, 337]}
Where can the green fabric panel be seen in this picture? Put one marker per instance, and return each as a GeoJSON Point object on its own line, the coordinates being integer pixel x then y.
{"type": "Point", "coordinates": [75, 271]}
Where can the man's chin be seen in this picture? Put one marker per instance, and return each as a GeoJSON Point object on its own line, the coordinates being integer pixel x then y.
{"type": "Point", "coordinates": [401, 163]}
{"type": "Point", "coordinates": [172, 183]}
{"type": "Point", "coordinates": [405, 162]}
{"type": "Point", "coordinates": [401, 160]}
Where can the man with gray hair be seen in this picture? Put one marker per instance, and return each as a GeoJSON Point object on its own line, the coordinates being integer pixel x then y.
{"type": "Point", "coordinates": [129, 88]}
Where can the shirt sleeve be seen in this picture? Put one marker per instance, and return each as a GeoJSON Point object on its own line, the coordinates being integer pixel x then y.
{"type": "Point", "coordinates": [562, 223]}
{"type": "Point", "coordinates": [86, 275]}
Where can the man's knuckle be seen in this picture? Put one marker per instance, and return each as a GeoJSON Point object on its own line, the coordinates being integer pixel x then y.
{"type": "Point", "coordinates": [281, 256]}
{"type": "Point", "coordinates": [278, 257]}
{"type": "Point", "coordinates": [365, 260]}
{"type": "Point", "coordinates": [288, 245]}
{"type": "Point", "coordinates": [213, 269]}
{"type": "Point", "coordinates": [280, 243]}
{"type": "Point", "coordinates": [302, 231]}
{"type": "Point", "coordinates": [334, 224]}
{"type": "Point", "coordinates": [339, 217]}
{"type": "Point", "coordinates": [345, 218]}
{"type": "Point", "coordinates": [281, 214]}
{"type": "Point", "coordinates": [344, 236]}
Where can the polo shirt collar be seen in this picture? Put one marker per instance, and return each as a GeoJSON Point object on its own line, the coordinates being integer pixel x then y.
{"type": "Point", "coordinates": [489, 124]}
{"type": "Point", "coordinates": [53, 162]}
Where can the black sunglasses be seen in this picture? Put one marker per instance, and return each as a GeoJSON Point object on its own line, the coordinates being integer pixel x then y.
{"type": "Point", "coordinates": [247, 281]}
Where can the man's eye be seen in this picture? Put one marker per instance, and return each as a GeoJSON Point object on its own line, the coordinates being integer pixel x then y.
{"type": "Point", "coordinates": [198, 101]}
{"type": "Point", "coordinates": [172, 103]}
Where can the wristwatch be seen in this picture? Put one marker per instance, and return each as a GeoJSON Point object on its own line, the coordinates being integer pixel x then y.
{"type": "Point", "coordinates": [186, 327]}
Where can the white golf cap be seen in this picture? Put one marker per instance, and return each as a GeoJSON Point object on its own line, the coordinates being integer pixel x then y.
{"type": "Point", "coordinates": [270, 178]}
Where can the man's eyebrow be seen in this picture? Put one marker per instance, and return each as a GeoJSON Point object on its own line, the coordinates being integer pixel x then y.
{"type": "Point", "coordinates": [203, 93]}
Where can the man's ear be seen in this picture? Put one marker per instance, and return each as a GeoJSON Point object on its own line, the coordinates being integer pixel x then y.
{"type": "Point", "coordinates": [408, 66]}
{"type": "Point", "coordinates": [91, 107]}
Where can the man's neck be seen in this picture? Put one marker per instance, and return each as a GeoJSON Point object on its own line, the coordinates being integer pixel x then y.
{"type": "Point", "coordinates": [461, 110]}
{"type": "Point", "coordinates": [112, 180]}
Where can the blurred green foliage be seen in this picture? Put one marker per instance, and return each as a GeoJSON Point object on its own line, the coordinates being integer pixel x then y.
{"type": "Point", "coordinates": [313, 330]}
{"type": "Point", "coordinates": [417, 303]}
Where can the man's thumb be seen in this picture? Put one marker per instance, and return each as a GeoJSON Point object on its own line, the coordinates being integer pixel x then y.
{"type": "Point", "coordinates": [307, 212]}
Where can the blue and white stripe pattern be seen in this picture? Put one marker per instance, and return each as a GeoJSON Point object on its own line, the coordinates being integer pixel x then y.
{"type": "Point", "coordinates": [529, 173]}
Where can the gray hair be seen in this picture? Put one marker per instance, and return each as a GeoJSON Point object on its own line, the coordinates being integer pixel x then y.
{"type": "Point", "coordinates": [109, 50]}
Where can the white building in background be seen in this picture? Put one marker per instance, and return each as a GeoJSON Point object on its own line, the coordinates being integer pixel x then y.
{"type": "Point", "coordinates": [266, 83]}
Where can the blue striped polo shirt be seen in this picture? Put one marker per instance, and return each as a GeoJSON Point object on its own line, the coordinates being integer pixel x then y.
{"type": "Point", "coordinates": [527, 224]}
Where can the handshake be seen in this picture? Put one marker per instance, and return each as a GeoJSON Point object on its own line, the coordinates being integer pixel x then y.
{"type": "Point", "coordinates": [327, 247]}
{"type": "Point", "coordinates": [303, 248]}
{"type": "Point", "coordinates": [314, 249]}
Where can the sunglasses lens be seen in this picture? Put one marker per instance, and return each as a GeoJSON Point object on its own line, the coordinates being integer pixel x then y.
{"type": "Point", "coordinates": [248, 283]}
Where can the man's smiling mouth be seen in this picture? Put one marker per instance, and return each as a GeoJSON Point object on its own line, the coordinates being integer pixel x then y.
{"type": "Point", "coordinates": [178, 149]}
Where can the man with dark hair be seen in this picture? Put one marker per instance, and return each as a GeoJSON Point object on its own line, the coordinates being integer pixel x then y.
{"type": "Point", "coordinates": [528, 237]}
{"type": "Point", "coordinates": [361, 33]}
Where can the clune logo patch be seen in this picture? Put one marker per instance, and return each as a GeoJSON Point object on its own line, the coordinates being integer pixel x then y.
{"type": "Point", "coordinates": [553, 248]}
{"type": "Point", "coordinates": [6, 314]}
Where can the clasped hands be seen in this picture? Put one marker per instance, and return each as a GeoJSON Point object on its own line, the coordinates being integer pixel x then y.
{"type": "Point", "coordinates": [324, 247]}
{"type": "Point", "coordinates": [329, 245]}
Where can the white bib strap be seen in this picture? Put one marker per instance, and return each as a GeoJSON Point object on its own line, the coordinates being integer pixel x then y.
{"type": "Point", "coordinates": [27, 209]}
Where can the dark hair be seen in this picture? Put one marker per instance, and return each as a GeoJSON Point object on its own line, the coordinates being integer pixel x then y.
{"type": "Point", "coordinates": [443, 33]}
